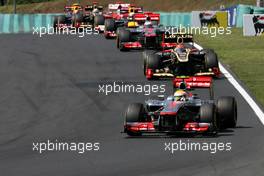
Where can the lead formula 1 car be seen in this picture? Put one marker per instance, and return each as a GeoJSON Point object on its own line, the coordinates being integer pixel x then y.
{"type": "Point", "coordinates": [182, 112]}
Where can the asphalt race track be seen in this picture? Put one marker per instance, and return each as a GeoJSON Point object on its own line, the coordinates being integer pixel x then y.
{"type": "Point", "coordinates": [49, 90]}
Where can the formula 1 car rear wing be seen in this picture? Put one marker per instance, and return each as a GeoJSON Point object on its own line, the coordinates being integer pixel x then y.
{"type": "Point", "coordinates": [91, 7]}
{"type": "Point", "coordinates": [189, 82]}
{"type": "Point", "coordinates": [68, 9]}
{"type": "Point", "coordinates": [116, 6]}
{"type": "Point", "coordinates": [141, 17]}
{"type": "Point", "coordinates": [170, 40]}
{"type": "Point", "coordinates": [193, 81]}
{"type": "Point", "coordinates": [177, 37]}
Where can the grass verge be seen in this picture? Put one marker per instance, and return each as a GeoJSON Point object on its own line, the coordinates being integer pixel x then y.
{"type": "Point", "coordinates": [244, 55]}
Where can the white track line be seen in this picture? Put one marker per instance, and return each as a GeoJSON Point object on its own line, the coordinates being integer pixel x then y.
{"type": "Point", "coordinates": [240, 89]}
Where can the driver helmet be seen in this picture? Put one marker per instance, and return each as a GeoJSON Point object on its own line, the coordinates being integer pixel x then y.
{"type": "Point", "coordinates": [179, 48]}
{"type": "Point", "coordinates": [148, 22]}
{"type": "Point", "coordinates": [180, 95]}
{"type": "Point", "coordinates": [75, 10]}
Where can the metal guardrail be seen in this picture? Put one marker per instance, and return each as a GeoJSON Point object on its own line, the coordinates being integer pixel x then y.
{"type": "Point", "coordinates": [24, 23]}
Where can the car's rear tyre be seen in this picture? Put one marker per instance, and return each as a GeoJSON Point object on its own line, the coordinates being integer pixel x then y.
{"type": "Point", "coordinates": [110, 25]}
{"type": "Point", "coordinates": [135, 113]}
{"type": "Point", "coordinates": [145, 55]}
{"type": "Point", "coordinates": [123, 36]}
{"type": "Point", "coordinates": [58, 20]}
{"type": "Point", "coordinates": [226, 112]}
{"type": "Point", "coordinates": [77, 18]}
{"type": "Point", "coordinates": [211, 60]}
{"type": "Point", "coordinates": [99, 20]}
{"type": "Point", "coordinates": [153, 61]}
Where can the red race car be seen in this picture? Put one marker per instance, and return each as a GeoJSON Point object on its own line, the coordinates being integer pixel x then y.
{"type": "Point", "coordinates": [143, 31]}
{"type": "Point", "coordinates": [116, 16]}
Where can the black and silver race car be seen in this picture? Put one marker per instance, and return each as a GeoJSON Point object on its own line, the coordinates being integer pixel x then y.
{"type": "Point", "coordinates": [183, 59]}
{"type": "Point", "coordinates": [182, 112]}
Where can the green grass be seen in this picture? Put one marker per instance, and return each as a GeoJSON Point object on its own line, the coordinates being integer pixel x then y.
{"type": "Point", "coordinates": [154, 5]}
{"type": "Point", "coordinates": [244, 55]}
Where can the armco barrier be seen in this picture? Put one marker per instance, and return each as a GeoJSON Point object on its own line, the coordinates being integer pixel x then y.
{"type": "Point", "coordinates": [246, 9]}
{"type": "Point", "coordinates": [241, 10]}
{"type": "Point", "coordinates": [24, 23]}
{"type": "Point", "coordinates": [175, 19]}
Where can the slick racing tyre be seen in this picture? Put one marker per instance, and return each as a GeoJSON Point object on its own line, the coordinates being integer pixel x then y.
{"type": "Point", "coordinates": [135, 113]}
{"type": "Point", "coordinates": [58, 20]}
{"type": "Point", "coordinates": [211, 60]}
{"type": "Point", "coordinates": [207, 115]}
{"type": "Point", "coordinates": [76, 19]}
{"type": "Point", "coordinates": [145, 55]}
{"type": "Point", "coordinates": [99, 20]}
{"type": "Point", "coordinates": [226, 112]}
{"type": "Point", "coordinates": [153, 61]}
{"type": "Point", "coordinates": [109, 25]}
{"type": "Point", "coordinates": [123, 36]}
{"type": "Point", "coordinates": [117, 36]}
